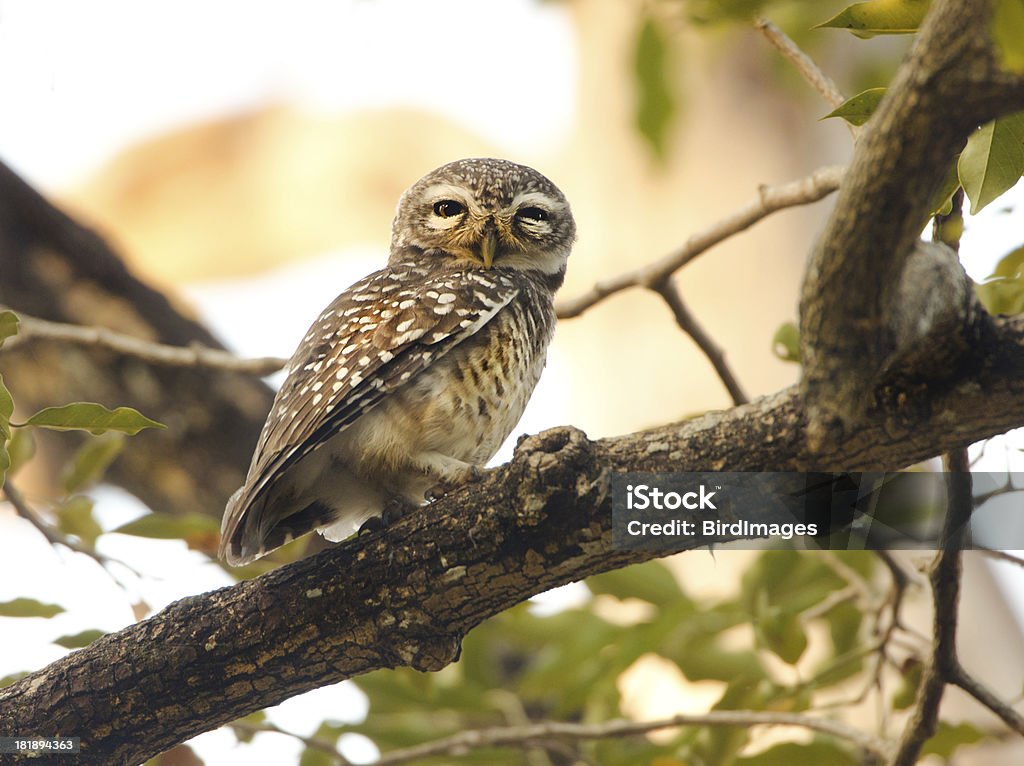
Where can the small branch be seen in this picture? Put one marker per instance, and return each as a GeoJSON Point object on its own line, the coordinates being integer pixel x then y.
{"type": "Point", "coordinates": [54, 537]}
{"type": "Point", "coordinates": [770, 199]}
{"type": "Point", "coordinates": [688, 323]}
{"type": "Point", "coordinates": [1002, 556]}
{"type": "Point", "coordinates": [803, 63]}
{"type": "Point", "coordinates": [313, 743]}
{"type": "Point", "coordinates": [986, 697]}
{"type": "Point", "coordinates": [158, 353]}
{"type": "Point", "coordinates": [945, 579]}
{"type": "Point", "coordinates": [533, 734]}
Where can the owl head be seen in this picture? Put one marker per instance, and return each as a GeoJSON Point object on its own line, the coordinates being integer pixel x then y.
{"type": "Point", "coordinates": [484, 213]}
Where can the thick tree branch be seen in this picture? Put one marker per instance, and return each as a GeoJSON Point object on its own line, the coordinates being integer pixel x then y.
{"type": "Point", "coordinates": [407, 595]}
{"type": "Point", "coordinates": [948, 85]}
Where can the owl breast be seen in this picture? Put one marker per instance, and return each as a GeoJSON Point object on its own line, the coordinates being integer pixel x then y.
{"type": "Point", "coordinates": [471, 402]}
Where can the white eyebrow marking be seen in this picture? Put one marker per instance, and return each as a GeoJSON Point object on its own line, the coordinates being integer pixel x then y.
{"type": "Point", "coordinates": [539, 199]}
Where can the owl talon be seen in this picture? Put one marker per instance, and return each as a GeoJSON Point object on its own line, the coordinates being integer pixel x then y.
{"type": "Point", "coordinates": [371, 525]}
{"type": "Point", "coordinates": [395, 509]}
{"type": "Point", "coordinates": [470, 475]}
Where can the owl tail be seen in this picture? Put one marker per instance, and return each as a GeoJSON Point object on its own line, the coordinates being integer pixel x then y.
{"type": "Point", "coordinates": [251, 530]}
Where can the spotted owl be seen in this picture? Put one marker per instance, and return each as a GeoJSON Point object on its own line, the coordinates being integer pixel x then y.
{"type": "Point", "coordinates": [415, 375]}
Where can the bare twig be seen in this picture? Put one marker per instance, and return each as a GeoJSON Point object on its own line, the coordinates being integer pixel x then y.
{"type": "Point", "coordinates": [314, 743]}
{"type": "Point", "coordinates": [549, 733]}
{"type": "Point", "coordinates": [770, 199]}
{"type": "Point", "coordinates": [945, 579]}
{"type": "Point", "coordinates": [986, 697]}
{"type": "Point", "coordinates": [54, 537]}
{"type": "Point", "coordinates": [688, 323]}
{"type": "Point", "coordinates": [803, 63]}
{"type": "Point", "coordinates": [531, 734]}
{"type": "Point", "coordinates": [1002, 556]}
{"type": "Point", "coordinates": [159, 353]}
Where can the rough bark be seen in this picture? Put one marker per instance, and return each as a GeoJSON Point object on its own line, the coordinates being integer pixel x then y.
{"type": "Point", "coordinates": [949, 85]}
{"type": "Point", "coordinates": [407, 595]}
{"type": "Point", "coordinates": [54, 268]}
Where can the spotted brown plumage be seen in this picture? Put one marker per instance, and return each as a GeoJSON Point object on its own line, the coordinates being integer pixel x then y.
{"type": "Point", "coordinates": [416, 374]}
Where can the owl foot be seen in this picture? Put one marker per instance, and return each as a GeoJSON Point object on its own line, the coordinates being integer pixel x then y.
{"type": "Point", "coordinates": [469, 474]}
{"type": "Point", "coordinates": [395, 509]}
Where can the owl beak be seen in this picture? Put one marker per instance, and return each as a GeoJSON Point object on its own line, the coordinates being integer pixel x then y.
{"type": "Point", "coordinates": [489, 245]}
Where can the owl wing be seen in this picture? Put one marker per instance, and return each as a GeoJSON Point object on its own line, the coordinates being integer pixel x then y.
{"type": "Point", "coordinates": [374, 337]}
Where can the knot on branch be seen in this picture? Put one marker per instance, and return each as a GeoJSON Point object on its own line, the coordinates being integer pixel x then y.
{"type": "Point", "coordinates": [931, 329]}
{"type": "Point", "coordinates": [428, 654]}
{"type": "Point", "coordinates": [551, 472]}
{"type": "Point", "coordinates": [936, 321]}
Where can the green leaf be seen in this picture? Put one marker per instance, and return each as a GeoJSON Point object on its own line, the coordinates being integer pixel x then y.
{"type": "Point", "coordinates": [880, 17]}
{"type": "Point", "coordinates": [782, 634]}
{"type": "Point", "coordinates": [28, 607]}
{"type": "Point", "coordinates": [652, 582]}
{"type": "Point", "coordinates": [13, 678]}
{"type": "Point", "coordinates": [801, 754]}
{"type": "Point", "coordinates": [942, 202]}
{"type": "Point", "coordinates": [8, 325]}
{"type": "Point", "coordinates": [1008, 34]}
{"type": "Point", "coordinates": [244, 735]}
{"type": "Point", "coordinates": [5, 461]}
{"type": "Point", "coordinates": [74, 517]}
{"type": "Point", "coordinates": [201, 532]}
{"type": "Point", "coordinates": [950, 737]}
{"type": "Point", "coordinates": [786, 343]}
{"type": "Point", "coordinates": [91, 461]}
{"type": "Point", "coordinates": [94, 418]}
{"type": "Point", "coordinates": [993, 160]}
{"type": "Point", "coordinates": [858, 109]}
{"type": "Point", "coordinates": [6, 410]}
{"type": "Point", "coordinates": [712, 11]}
{"type": "Point", "coordinates": [78, 640]}
{"type": "Point", "coordinates": [910, 682]}
{"type": "Point", "coordinates": [655, 103]}
{"type": "Point", "coordinates": [1003, 291]}
{"type": "Point", "coordinates": [1011, 265]}
{"type": "Point", "coordinates": [1002, 296]}
{"type": "Point", "coordinates": [22, 448]}
{"type": "Point", "coordinates": [313, 757]}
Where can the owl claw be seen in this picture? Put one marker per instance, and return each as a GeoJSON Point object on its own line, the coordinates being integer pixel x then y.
{"type": "Point", "coordinates": [471, 474]}
{"type": "Point", "coordinates": [371, 525]}
{"type": "Point", "coordinates": [394, 509]}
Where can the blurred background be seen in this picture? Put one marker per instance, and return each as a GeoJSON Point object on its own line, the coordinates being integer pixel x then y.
{"type": "Point", "coordinates": [245, 158]}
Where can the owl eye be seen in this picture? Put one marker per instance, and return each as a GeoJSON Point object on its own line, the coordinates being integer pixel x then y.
{"type": "Point", "coordinates": [446, 208]}
{"type": "Point", "coordinates": [532, 213]}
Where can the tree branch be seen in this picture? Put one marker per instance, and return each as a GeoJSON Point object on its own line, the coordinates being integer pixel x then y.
{"type": "Point", "coordinates": [688, 323]}
{"type": "Point", "coordinates": [942, 92]}
{"type": "Point", "coordinates": [539, 733]}
{"type": "Point", "coordinates": [194, 355]}
{"type": "Point", "coordinates": [770, 199]}
{"type": "Point", "coordinates": [23, 509]}
{"type": "Point", "coordinates": [407, 595]}
{"type": "Point", "coordinates": [803, 63]}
